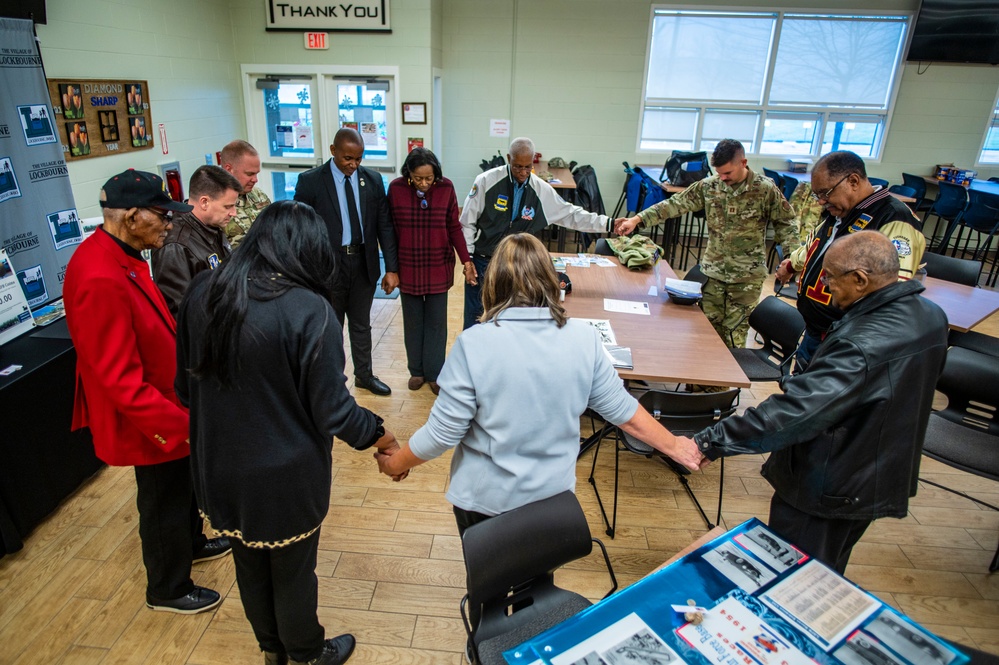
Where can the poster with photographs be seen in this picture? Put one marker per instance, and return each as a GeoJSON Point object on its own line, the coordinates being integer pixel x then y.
{"type": "Point", "coordinates": [134, 98]}
{"type": "Point", "coordinates": [770, 549]}
{"type": "Point", "coordinates": [65, 228]}
{"type": "Point", "coordinates": [72, 101]}
{"type": "Point", "coordinates": [102, 117]}
{"type": "Point", "coordinates": [36, 124]}
{"type": "Point", "coordinates": [15, 317]}
{"type": "Point", "coordinates": [79, 141]}
{"type": "Point", "coordinates": [629, 641]}
{"type": "Point", "coordinates": [743, 570]}
{"type": "Point", "coordinates": [138, 129]}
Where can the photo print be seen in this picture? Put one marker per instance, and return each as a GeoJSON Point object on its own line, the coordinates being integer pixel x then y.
{"type": "Point", "coordinates": [862, 649]}
{"type": "Point", "coordinates": [772, 550]}
{"type": "Point", "coordinates": [79, 141]}
{"type": "Point", "coordinates": [8, 181]}
{"type": "Point", "coordinates": [627, 641]}
{"type": "Point", "coordinates": [72, 101]}
{"type": "Point", "coordinates": [744, 571]}
{"type": "Point", "coordinates": [36, 124]}
{"type": "Point", "coordinates": [138, 129]}
{"type": "Point", "coordinates": [134, 98]}
{"type": "Point", "coordinates": [908, 640]}
{"type": "Point", "coordinates": [33, 284]}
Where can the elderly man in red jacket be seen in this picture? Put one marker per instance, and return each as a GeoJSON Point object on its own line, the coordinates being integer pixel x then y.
{"type": "Point", "coordinates": [125, 339]}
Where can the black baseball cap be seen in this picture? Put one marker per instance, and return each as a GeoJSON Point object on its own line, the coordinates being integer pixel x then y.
{"type": "Point", "coordinates": [139, 189]}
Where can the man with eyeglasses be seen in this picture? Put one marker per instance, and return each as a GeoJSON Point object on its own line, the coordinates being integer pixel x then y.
{"type": "Point", "coordinates": [846, 436]}
{"type": "Point", "coordinates": [125, 339]}
{"type": "Point", "coordinates": [738, 204]}
{"type": "Point", "coordinates": [511, 199]}
{"type": "Point", "coordinates": [851, 204]}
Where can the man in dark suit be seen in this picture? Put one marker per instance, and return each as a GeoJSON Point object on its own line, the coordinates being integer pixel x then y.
{"type": "Point", "coordinates": [351, 199]}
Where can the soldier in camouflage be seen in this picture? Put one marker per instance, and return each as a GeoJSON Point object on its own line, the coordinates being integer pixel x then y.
{"type": "Point", "coordinates": [242, 160]}
{"type": "Point", "coordinates": [738, 204]}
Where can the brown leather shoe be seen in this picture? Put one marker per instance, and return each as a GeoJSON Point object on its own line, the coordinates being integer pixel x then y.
{"type": "Point", "coordinates": [416, 382]}
{"type": "Point", "coordinates": [435, 388]}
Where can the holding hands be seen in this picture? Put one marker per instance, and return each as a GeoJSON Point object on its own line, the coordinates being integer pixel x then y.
{"type": "Point", "coordinates": [390, 281]}
{"type": "Point", "coordinates": [471, 278]}
{"type": "Point", "coordinates": [387, 447]}
{"type": "Point", "coordinates": [624, 226]}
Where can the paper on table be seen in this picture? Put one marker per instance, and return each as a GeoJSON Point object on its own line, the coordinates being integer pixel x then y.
{"type": "Point", "coordinates": [603, 327]}
{"type": "Point", "coordinates": [626, 306]}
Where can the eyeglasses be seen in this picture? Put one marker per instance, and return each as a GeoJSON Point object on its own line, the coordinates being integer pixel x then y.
{"type": "Point", "coordinates": [825, 277]}
{"type": "Point", "coordinates": [824, 196]}
{"type": "Point", "coordinates": [166, 216]}
{"type": "Point", "coordinates": [424, 204]}
{"type": "Point", "coordinates": [515, 167]}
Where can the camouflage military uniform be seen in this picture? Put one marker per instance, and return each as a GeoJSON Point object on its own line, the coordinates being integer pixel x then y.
{"type": "Point", "coordinates": [735, 256]}
{"type": "Point", "coordinates": [809, 210]}
{"type": "Point", "coordinates": [248, 206]}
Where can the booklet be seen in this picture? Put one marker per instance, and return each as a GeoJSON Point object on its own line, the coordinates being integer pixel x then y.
{"type": "Point", "coordinates": [620, 356]}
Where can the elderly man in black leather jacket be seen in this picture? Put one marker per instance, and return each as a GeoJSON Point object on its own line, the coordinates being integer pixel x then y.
{"type": "Point", "coordinates": [846, 437]}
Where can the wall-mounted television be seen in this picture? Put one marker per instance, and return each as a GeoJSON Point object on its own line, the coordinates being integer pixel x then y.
{"type": "Point", "coordinates": [956, 31]}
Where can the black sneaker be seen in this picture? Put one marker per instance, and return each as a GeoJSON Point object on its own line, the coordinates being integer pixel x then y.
{"type": "Point", "coordinates": [336, 650]}
{"type": "Point", "coordinates": [199, 600]}
{"type": "Point", "coordinates": [213, 549]}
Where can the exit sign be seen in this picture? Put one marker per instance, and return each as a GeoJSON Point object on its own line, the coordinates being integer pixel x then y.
{"type": "Point", "coordinates": [317, 40]}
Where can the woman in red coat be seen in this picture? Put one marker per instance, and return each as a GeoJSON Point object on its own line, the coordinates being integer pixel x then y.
{"type": "Point", "coordinates": [425, 214]}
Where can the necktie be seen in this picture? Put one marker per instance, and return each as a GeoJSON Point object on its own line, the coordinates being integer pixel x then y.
{"type": "Point", "coordinates": [355, 222]}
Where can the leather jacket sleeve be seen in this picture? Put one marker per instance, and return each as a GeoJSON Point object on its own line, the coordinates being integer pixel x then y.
{"type": "Point", "coordinates": [822, 397]}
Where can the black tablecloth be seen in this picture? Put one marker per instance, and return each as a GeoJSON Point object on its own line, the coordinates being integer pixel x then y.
{"type": "Point", "coordinates": [41, 461]}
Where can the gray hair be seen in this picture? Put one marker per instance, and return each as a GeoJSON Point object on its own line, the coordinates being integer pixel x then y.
{"type": "Point", "coordinates": [522, 146]}
{"type": "Point", "coordinates": [870, 251]}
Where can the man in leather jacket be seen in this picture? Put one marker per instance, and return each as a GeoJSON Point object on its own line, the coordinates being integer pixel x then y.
{"type": "Point", "coordinates": [846, 438]}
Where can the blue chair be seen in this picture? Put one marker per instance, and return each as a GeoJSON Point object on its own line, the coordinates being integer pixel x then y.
{"type": "Point", "coordinates": [948, 206]}
{"type": "Point", "coordinates": [776, 177]}
{"type": "Point", "coordinates": [980, 217]}
{"type": "Point", "coordinates": [902, 190]}
{"type": "Point", "coordinates": [919, 186]}
{"type": "Point", "coordinates": [790, 184]}
{"type": "Point", "coordinates": [878, 182]}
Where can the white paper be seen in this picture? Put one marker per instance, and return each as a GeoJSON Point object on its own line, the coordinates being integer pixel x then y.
{"type": "Point", "coordinates": [15, 317]}
{"type": "Point", "coordinates": [625, 642]}
{"type": "Point", "coordinates": [681, 285]}
{"type": "Point", "coordinates": [603, 327]}
{"type": "Point", "coordinates": [303, 136]}
{"type": "Point", "coordinates": [731, 633]}
{"type": "Point", "coordinates": [772, 550]}
{"type": "Point", "coordinates": [823, 605]}
{"type": "Point", "coordinates": [499, 127]}
{"type": "Point", "coordinates": [626, 306]}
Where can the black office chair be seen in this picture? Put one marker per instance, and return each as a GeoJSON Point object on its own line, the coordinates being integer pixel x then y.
{"type": "Point", "coordinates": [602, 248]}
{"type": "Point", "coordinates": [510, 561]}
{"type": "Point", "coordinates": [981, 217]}
{"type": "Point", "coordinates": [878, 182]}
{"type": "Point", "coordinates": [965, 435]}
{"type": "Point", "coordinates": [683, 414]}
{"type": "Point", "coordinates": [974, 341]}
{"type": "Point", "coordinates": [918, 185]}
{"type": "Point", "coordinates": [961, 271]}
{"type": "Point", "coordinates": [695, 275]}
{"type": "Point", "coordinates": [947, 206]}
{"type": "Point", "coordinates": [780, 326]}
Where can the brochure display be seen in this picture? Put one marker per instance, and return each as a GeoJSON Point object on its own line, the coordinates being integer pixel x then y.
{"type": "Point", "coordinates": [747, 597]}
{"type": "Point", "coordinates": [15, 317]}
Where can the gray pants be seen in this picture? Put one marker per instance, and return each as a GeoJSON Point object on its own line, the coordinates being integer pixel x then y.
{"type": "Point", "coordinates": [424, 324]}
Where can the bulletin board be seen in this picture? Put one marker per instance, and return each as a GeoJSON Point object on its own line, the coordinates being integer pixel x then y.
{"type": "Point", "coordinates": [98, 117]}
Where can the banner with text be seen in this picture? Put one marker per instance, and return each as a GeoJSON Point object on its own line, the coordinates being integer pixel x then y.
{"type": "Point", "coordinates": [369, 16]}
{"type": "Point", "coordinates": [39, 225]}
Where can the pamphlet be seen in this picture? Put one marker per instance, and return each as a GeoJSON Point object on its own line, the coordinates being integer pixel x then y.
{"type": "Point", "coordinates": [603, 327]}
{"type": "Point", "coordinates": [624, 642]}
{"type": "Point", "coordinates": [626, 306]}
{"type": "Point", "coordinates": [620, 356]}
{"type": "Point", "coordinates": [15, 316]}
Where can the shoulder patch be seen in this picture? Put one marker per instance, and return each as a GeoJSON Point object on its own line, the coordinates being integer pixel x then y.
{"type": "Point", "coordinates": [902, 246]}
{"type": "Point", "coordinates": [475, 190]}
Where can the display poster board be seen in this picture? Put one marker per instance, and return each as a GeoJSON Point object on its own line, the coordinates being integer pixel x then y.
{"type": "Point", "coordinates": [748, 597]}
{"type": "Point", "coordinates": [15, 317]}
{"type": "Point", "coordinates": [39, 224]}
{"type": "Point", "coordinates": [98, 117]}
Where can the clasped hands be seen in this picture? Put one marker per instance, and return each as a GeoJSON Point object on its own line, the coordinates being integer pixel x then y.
{"type": "Point", "coordinates": [387, 447]}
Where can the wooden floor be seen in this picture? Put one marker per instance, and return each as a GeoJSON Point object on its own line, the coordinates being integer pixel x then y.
{"type": "Point", "coordinates": [390, 568]}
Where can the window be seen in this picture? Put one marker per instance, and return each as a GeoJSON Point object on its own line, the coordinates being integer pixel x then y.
{"type": "Point", "coordinates": [783, 83]}
{"type": "Point", "coordinates": [990, 148]}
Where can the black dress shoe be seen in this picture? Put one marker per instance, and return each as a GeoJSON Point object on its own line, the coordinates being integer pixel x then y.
{"type": "Point", "coordinates": [336, 650]}
{"type": "Point", "coordinates": [213, 549]}
{"type": "Point", "coordinates": [373, 384]}
{"type": "Point", "coordinates": [199, 600]}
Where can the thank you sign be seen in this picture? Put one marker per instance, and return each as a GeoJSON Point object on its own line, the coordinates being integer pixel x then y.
{"type": "Point", "coordinates": [362, 15]}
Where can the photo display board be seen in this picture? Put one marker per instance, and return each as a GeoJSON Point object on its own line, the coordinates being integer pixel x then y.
{"type": "Point", "coordinates": [98, 117]}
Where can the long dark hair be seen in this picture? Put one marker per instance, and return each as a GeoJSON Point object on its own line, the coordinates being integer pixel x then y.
{"type": "Point", "coordinates": [286, 247]}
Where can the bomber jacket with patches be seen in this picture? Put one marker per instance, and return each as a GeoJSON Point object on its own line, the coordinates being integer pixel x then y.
{"type": "Point", "coordinates": [878, 212]}
{"type": "Point", "coordinates": [487, 215]}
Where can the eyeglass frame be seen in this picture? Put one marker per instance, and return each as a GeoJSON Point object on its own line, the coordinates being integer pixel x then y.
{"type": "Point", "coordinates": [824, 196]}
{"type": "Point", "coordinates": [166, 216]}
{"type": "Point", "coordinates": [824, 277]}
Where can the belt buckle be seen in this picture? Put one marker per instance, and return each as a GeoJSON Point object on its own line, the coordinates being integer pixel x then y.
{"type": "Point", "coordinates": [352, 249]}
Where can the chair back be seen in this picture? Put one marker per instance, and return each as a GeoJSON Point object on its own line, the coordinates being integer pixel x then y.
{"type": "Point", "coordinates": [878, 182]}
{"type": "Point", "coordinates": [982, 213]}
{"type": "Point", "coordinates": [602, 248]}
{"type": "Point", "coordinates": [903, 190]}
{"type": "Point", "coordinates": [685, 168]}
{"type": "Point", "coordinates": [780, 325]}
{"type": "Point", "coordinates": [773, 175]}
{"type": "Point", "coordinates": [695, 275]}
{"type": "Point", "coordinates": [688, 413]}
{"type": "Point", "coordinates": [790, 184]}
{"type": "Point", "coordinates": [521, 549]}
{"type": "Point", "coordinates": [969, 381]}
{"type": "Point", "coordinates": [951, 201]}
{"type": "Point", "coordinates": [916, 183]}
{"type": "Point", "coordinates": [961, 271]}
{"type": "Point", "coordinates": [653, 192]}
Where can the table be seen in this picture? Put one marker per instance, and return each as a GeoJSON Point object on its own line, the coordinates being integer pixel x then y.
{"type": "Point", "coordinates": [965, 306]}
{"type": "Point", "coordinates": [41, 461]}
{"type": "Point", "coordinates": [563, 175]}
{"type": "Point", "coordinates": [978, 184]}
{"type": "Point", "coordinates": [674, 344]}
{"type": "Point", "coordinates": [766, 601]}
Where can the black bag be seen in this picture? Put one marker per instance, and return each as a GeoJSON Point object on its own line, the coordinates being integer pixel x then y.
{"type": "Point", "coordinates": [685, 168]}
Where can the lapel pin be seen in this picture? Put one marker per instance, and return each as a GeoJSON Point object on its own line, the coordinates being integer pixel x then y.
{"type": "Point", "coordinates": [132, 275]}
{"type": "Point", "coordinates": [362, 182]}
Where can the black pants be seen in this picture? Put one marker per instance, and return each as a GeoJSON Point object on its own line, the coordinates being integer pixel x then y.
{"type": "Point", "coordinates": [830, 541]}
{"type": "Point", "coordinates": [467, 518]}
{"type": "Point", "coordinates": [170, 527]}
{"type": "Point", "coordinates": [424, 324]}
{"type": "Point", "coordinates": [280, 594]}
{"type": "Point", "coordinates": [353, 293]}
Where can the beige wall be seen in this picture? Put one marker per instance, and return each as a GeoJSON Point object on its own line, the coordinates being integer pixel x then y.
{"type": "Point", "coordinates": [183, 48]}
{"type": "Point", "coordinates": [567, 73]}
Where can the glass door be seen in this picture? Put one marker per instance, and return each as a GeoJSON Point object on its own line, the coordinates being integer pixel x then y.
{"type": "Point", "coordinates": [369, 107]}
{"type": "Point", "coordinates": [283, 109]}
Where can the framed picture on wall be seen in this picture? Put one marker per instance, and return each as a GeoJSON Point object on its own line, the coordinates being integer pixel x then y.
{"type": "Point", "coordinates": [138, 129]}
{"type": "Point", "coordinates": [109, 126]}
{"type": "Point", "coordinates": [79, 142]}
{"type": "Point", "coordinates": [414, 113]}
{"type": "Point", "coordinates": [72, 101]}
{"type": "Point", "coordinates": [134, 98]}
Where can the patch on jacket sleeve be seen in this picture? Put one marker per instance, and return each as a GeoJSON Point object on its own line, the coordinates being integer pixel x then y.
{"type": "Point", "coordinates": [475, 190]}
{"type": "Point", "coordinates": [902, 246]}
